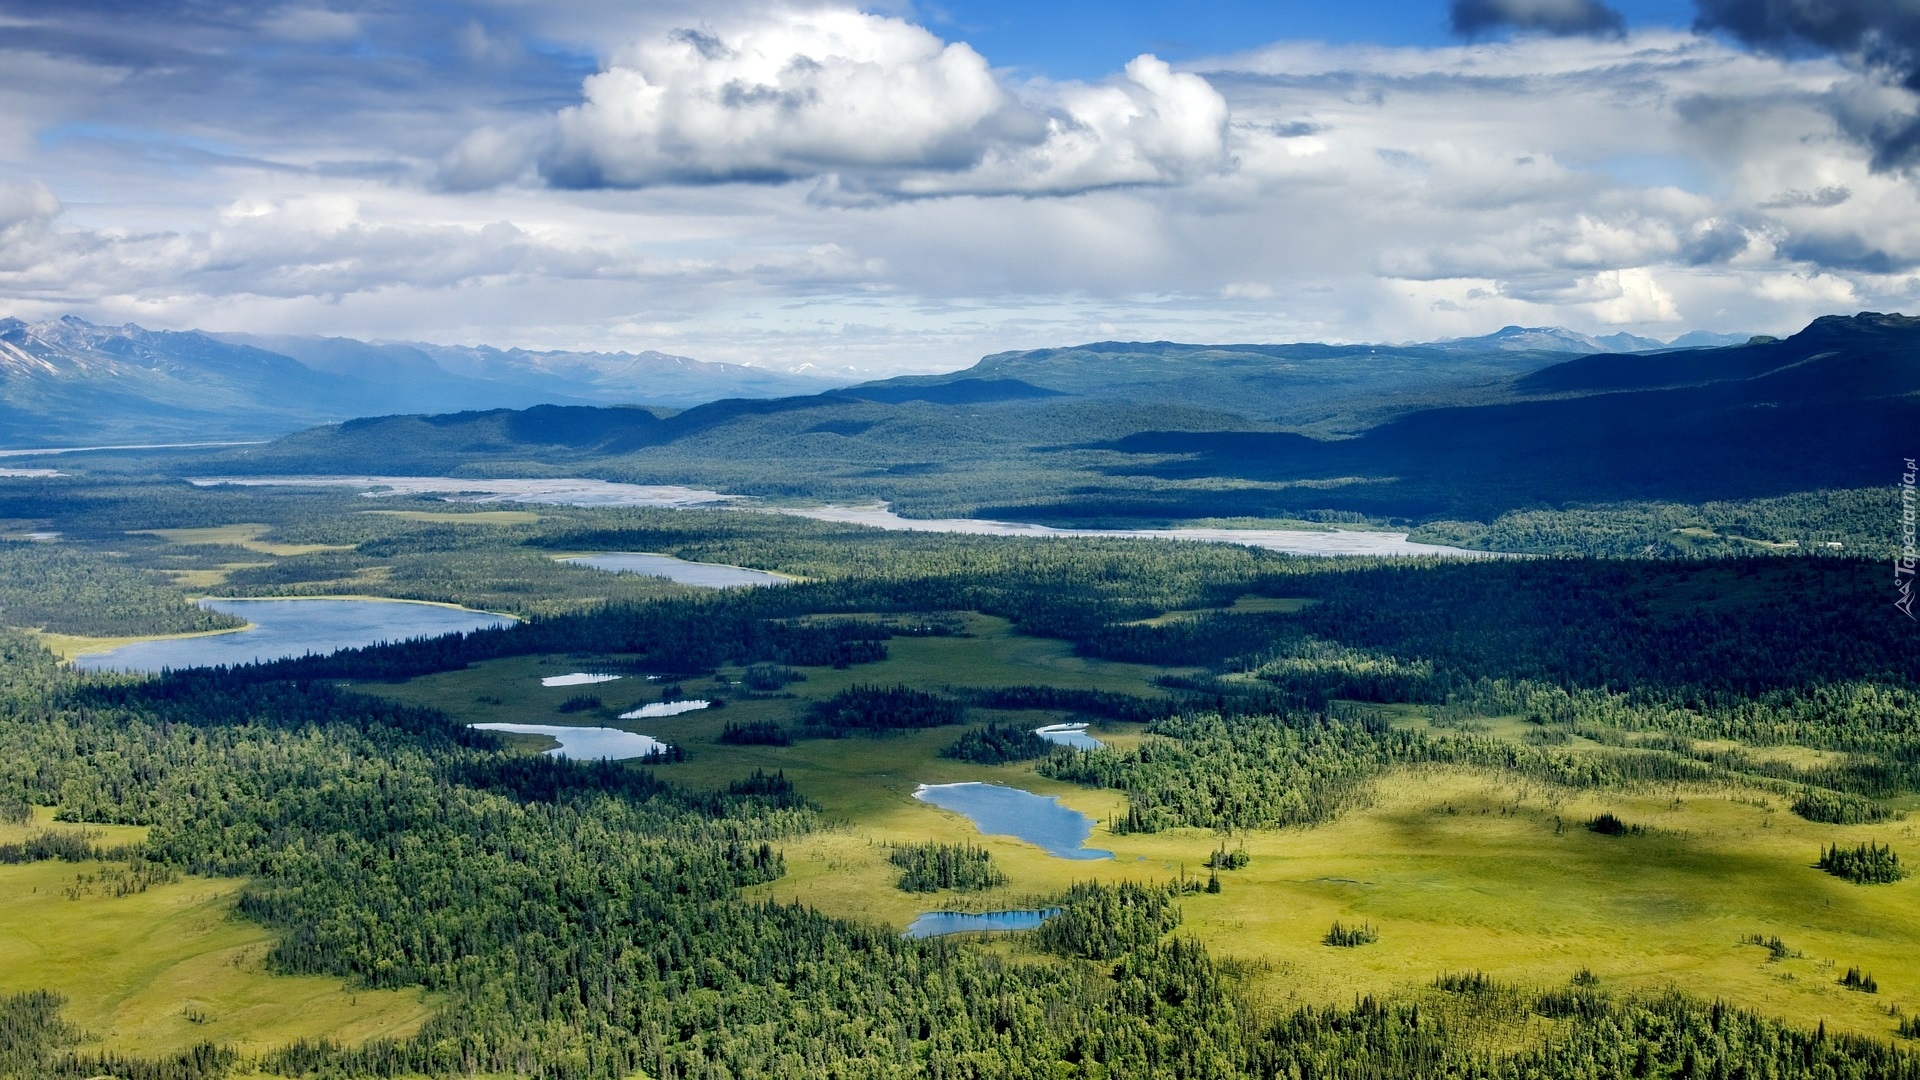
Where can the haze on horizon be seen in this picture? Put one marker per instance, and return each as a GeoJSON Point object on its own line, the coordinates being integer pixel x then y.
{"type": "Point", "coordinates": [904, 187]}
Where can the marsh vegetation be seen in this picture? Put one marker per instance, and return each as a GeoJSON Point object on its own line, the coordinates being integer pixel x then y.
{"type": "Point", "coordinates": [1403, 749]}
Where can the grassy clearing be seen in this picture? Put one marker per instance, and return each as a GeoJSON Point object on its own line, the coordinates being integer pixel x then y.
{"type": "Point", "coordinates": [159, 971]}
{"type": "Point", "coordinates": [1701, 533]}
{"type": "Point", "coordinates": [1461, 871]}
{"type": "Point", "coordinates": [854, 779]}
{"type": "Point", "coordinates": [206, 581]}
{"type": "Point", "coordinates": [509, 690]}
{"type": "Point", "coordinates": [1246, 605]}
{"type": "Point", "coordinates": [1457, 869]}
{"type": "Point", "coordinates": [245, 535]}
{"type": "Point", "coordinates": [72, 646]}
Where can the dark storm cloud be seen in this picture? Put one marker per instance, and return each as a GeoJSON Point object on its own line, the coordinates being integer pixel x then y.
{"type": "Point", "coordinates": [1716, 244]}
{"type": "Point", "coordinates": [1883, 35]}
{"type": "Point", "coordinates": [1847, 251]}
{"type": "Point", "coordinates": [1562, 18]}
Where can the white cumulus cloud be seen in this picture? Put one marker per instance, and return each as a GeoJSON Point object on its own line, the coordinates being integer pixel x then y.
{"type": "Point", "coordinates": [788, 96]}
{"type": "Point", "coordinates": [874, 104]}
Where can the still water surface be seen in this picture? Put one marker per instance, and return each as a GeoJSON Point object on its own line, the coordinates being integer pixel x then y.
{"type": "Point", "coordinates": [586, 742]}
{"type": "Point", "coordinates": [578, 678]}
{"type": "Point", "coordinates": [1074, 735]}
{"type": "Point", "coordinates": [1292, 541]}
{"type": "Point", "coordinates": [997, 810]}
{"type": "Point", "coordinates": [704, 575]}
{"type": "Point", "coordinates": [579, 492]}
{"type": "Point", "coordinates": [569, 491]}
{"type": "Point", "coordinates": [666, 708]}
{"type": "Point", "coordinates": [939, 923]}
{"type": "Point", "coordinates": [287, 628]}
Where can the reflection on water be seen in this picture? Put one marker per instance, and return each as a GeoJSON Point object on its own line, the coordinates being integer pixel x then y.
{"type": "Point", "coordinates": [1293, 541]}
{"type": "Point", "coordinates": [552, 492]}
{"type": "Point", "coordinates": [997, 810]}
{"type": "Point", "coordinates": [940, 923]}
{"type": "Point", "coordinates": [704, 575]}
{"type": "Point", "coordinates": [578, 492]}
{"type": "Point", "coordinates": [578, 678]}
{"type": "Point", "coordinates": [586, 742]}
{"type": "Point", "coordinates": [1074, 735]}
{"type": "Point", "coordinates": [665, 708]}
{"type": "Point", "coordinates": [288, 628]}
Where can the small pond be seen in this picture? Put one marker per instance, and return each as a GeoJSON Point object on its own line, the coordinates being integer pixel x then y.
{"type": "Point", "coordinates": [941, 923]}
{"type": "Point", "coordinates": [578, 678]}
{"type": "Point", "coordinates": [997, 810]}
{"type": "Point", "coordinates": [586, 742]}
{"type": "Point", "coordinates": [288, 628]}
{"type": "Point", "coordinates": [704, 575]}
{"type": "Point", "coordinates": [1074, 735]}
{"type": "Point", "coordinates": [665, 708]}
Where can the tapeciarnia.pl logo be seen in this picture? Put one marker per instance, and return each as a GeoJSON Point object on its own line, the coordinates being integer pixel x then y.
{"type": "Point", "coordinates": [1903, 566]}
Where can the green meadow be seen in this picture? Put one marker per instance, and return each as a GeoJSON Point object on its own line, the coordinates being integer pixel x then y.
{"type": "Point", "coordinates": [1458, 868]}
{"type": "Point", "coordinates": [1447, 864]}
{"type": "Point", "coordinates": [163, 969]}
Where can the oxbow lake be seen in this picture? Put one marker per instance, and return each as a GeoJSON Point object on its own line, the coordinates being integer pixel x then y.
{"type": "Point", "coordinates": [941, 923]}
{"type": "Point", "coordinates": [288, 628]}
{"type": "Point", "coordinates": [997, 810]}
{"type": "Point", "coordinates": [586, 743]}
{"type": "Point", "coordinates": [704, 575]}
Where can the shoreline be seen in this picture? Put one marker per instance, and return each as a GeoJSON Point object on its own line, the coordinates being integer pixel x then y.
{"type": "Point", "coordinates": [71, 647]}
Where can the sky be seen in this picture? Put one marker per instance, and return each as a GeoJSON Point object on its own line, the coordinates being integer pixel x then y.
{"type": "Point", "coordinates": [909, 185]}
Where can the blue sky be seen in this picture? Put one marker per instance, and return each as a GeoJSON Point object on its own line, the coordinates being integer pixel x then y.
{"type": "Point", "coordinates": [908, 186]}
{"type": "Point", "coordinates": [1082, 39]}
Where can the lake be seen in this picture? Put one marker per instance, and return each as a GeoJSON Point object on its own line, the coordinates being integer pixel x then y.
{"type": "Point", "coordinates": [997, 810]}
{"type": "Point", "coordinates": [288, 628]}
{"type": "Point", "coordinates": [704, 575]}
{"type": "Point", "coordinates": [586, 743]}
{"type": "Point", "coordinates": [665, 708]}
{"type": "Point", "coordinates": [579, 492]}
{"type": "Point", "coordinates": [570, 491]}
{"type": "Point", "coordinates": [1074, 735]}
{"type": "Point", "coordinates": [578, 678]}
{"type": "Point", "coordinates": [941, 923]}
{"type": "Point", "coordinates": [1292, 541]}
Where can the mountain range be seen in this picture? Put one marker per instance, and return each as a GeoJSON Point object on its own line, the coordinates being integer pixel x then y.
{"type": "Point", "coordinates": [1125, 431]}
{"type": "Point", "coordinates": [67, 380]}
{"type": "Point", "coordinates": [1834, 406]}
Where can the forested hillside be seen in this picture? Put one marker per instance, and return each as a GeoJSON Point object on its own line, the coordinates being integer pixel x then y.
{"type": "Point", "coordinates": [584, 920]}
{"type": "Point", "coordinates": [1162, 432]}
{"type": "Point", "coordinates": [1386, 817]}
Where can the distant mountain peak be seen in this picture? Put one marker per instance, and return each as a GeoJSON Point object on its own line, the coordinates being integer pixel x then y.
{"type": "Point", "coordinates": [66, 378]}
{"type": "Point", "coordinates": [1559, 339]}
{"type": "Point", "coordinates": [1555, 339]}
